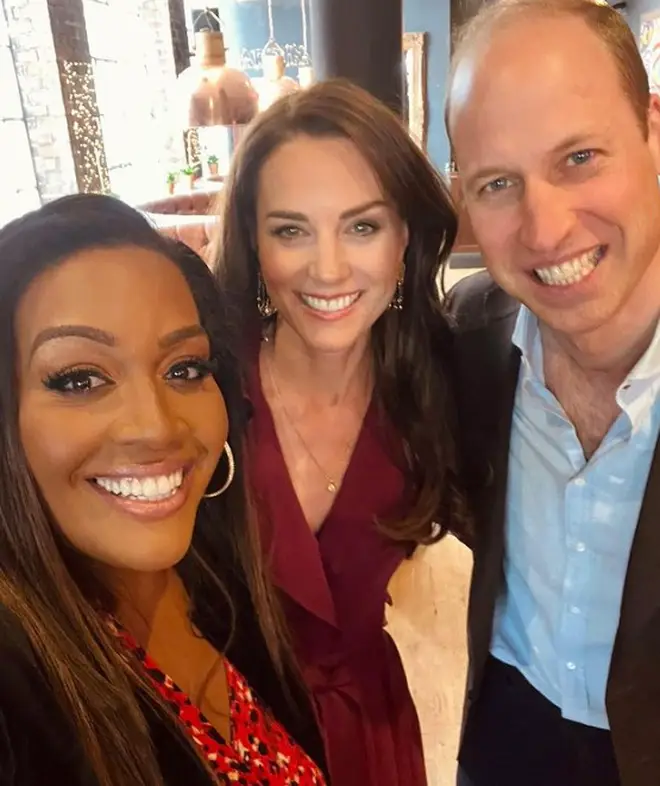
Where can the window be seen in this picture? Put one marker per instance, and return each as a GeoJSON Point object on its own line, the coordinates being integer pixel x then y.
{"type": "Point", "coordinates": [131, 89]}
{"type": "Point", "coordinates": [19, 192]}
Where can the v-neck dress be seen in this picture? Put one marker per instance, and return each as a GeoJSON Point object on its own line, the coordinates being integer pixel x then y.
{"type": "Point", "coordinates": [259, 753]}
{"type": "Point", "coordinates": [334, 589]}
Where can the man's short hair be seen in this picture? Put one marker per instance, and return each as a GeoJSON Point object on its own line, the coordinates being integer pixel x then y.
{"type": "Point", "coordinates": [608, 24]}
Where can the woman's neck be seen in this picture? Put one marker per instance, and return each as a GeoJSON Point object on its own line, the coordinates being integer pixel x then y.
{"type": "Point", "coordinates": [144, 598]}
{"type": "Point", "coordinates": [322, 379]}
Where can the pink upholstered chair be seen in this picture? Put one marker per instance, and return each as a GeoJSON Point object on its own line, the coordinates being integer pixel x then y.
{"type": "Point", "coordinates": [186, 217]}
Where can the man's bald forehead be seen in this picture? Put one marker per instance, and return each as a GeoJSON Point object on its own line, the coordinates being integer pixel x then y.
{"type": "Point", "coordinates": [476, 51]}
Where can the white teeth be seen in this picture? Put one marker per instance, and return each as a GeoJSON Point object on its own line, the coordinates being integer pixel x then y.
{"type": "Point", "coordinates": [150, 489]}
{"type": "Point", "coordinates": [570, 272]}
{"type": "Point", "coordinates": [333, 304]}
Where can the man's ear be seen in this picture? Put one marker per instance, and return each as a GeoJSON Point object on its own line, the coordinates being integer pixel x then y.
{"type": "Point", "coordinates": [654, 130]}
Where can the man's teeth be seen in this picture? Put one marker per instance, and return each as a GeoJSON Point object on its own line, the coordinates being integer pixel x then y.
{"type": "Point", "coordinates": [570, 272]}
{"type": "Point", "coordinates": [145, 489]}
{"type": "Point", "coordinates": [330, 305]}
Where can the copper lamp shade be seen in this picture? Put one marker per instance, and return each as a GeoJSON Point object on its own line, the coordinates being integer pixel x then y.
{"type": "Point", "coordinates": [274, 84]}
{"type": "Point", "coordinates": [210, 92]}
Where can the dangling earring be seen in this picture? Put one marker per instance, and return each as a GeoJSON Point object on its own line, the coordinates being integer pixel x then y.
{"type": "Point", "coordinates": [230, 474]}
{"type": "Point", "coordinates": [263, 300]}
{"type": "Point", "coordinates": [397, 299]}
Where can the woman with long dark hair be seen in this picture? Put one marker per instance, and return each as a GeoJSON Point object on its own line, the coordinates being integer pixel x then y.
{"type": "Point", "coordinates": [139, 640]}
{"type": "Point", "coordinates": [334, 230]}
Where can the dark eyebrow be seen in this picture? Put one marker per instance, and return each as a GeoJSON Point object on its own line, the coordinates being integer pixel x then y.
{"type": "Point", "coordinates": [177, 336]}
{"type": "Point", "coordinates": [354, 211]}
{"type": "Point", "coordinates": [77, 331]}
{"type": "Point", "coordinates": [107, 339]}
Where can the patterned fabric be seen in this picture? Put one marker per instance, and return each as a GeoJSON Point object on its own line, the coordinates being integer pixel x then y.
{"type": "Point", "coordinates": [260, 753]}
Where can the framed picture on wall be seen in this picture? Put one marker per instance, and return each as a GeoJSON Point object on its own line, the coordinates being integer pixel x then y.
{"type": "Point", "coordinates": [414, 60]}
{"type": "Point", "coordinates": [649, 47]}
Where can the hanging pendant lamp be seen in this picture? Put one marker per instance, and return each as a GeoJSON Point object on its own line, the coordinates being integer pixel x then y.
{"type": "Point", "coordinates": [274, 84]}
{"type": "Point", "coordinates": [210, 93]}
{"type": "Point", "coordinates": [305, 69]}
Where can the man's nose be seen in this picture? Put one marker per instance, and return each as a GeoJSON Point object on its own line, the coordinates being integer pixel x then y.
{"type": "Point", "coordinates": [547, 217]}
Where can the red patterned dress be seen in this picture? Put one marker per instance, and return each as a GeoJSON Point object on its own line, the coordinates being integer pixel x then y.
{"type": "Point", "coordinates": [260, 752]}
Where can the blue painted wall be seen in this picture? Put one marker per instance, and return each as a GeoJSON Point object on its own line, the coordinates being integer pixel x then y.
{"type": "Point", "coordinates": [246, 27]}
{"type": "Point", "coordinates": [433, 18]}
{"type": "Point", "coordinates": [635, 10]}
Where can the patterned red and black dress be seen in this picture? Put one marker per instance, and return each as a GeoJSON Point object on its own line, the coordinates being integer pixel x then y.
{"type": "Point", "coordinates": [260, 751]}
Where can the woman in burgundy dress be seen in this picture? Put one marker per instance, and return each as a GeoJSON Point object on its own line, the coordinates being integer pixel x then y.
{"type": "Point", "coordinates": [334, 229]}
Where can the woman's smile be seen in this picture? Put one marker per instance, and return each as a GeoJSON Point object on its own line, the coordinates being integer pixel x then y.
{"type": "Point", "coordinates": [148, 491]}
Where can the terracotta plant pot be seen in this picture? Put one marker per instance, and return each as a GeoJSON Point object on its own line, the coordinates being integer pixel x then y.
{"type": "Point", "coordinates": [213, 170]}
{"type": "Point", "coordinates": [170, 188]}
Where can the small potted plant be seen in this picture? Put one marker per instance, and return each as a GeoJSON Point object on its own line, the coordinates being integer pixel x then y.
{"type": "Point", "coordinates": [172, 177]}
{"type": "Point", "coordinates": [191, 174]}
{"type": "Point", "coordinates": [212, 161]}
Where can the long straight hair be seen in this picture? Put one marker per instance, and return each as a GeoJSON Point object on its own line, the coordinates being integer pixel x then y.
{"type": "Point", "coordinates": [411, 348]}
{"type": "Point", "coordinates": [52, 592]}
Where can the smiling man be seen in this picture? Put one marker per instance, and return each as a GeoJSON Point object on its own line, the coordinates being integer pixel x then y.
{"type": "Point", "coordinates": [557, 141]}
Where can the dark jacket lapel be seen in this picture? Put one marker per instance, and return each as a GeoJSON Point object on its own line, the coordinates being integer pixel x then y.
{"type": "Point", "coordinates": [486, 366]}
{"type": "Point", "coordinates": [633, 691]}
{"type": "Point", "coordinates": [486, 416]}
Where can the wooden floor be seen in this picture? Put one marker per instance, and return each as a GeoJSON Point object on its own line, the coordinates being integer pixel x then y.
{"type": "Point", "coordinates": [428, 623]}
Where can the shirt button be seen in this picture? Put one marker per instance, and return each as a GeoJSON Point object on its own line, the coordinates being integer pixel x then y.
{"type": "Point", "coordinates": [575, 609]}
{"type": "Point", "coordinates": [580, 546]}
{"type": "Point", "coordinates": [580, 482]}
{"type": "Point", "coordinates": [571, 666]}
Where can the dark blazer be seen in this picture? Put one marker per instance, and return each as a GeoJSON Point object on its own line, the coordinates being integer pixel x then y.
{"type": "Point", "coordinates": [39, 744]}
{"type": "Point", "coordinates": [487, 365]}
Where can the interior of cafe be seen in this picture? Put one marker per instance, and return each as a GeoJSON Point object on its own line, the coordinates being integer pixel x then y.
{"type": "Point", "coordinates": [148, 100]}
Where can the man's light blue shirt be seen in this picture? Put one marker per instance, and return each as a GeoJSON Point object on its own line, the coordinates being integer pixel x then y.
{"type": "Point", "coordinates": [569, 530]}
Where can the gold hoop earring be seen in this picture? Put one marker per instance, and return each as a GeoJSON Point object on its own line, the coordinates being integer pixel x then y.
{"type": "Point", "coordinates": [397, 299]}
{"type": "Point", "coordinates": [230, 474]}
{"type": "Point", "coordinates": [263, 300]}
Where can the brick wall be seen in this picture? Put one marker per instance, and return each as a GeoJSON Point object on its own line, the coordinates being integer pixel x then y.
{"type": "Point", "coordinates": [33, 49]}
{"type": "Point", "coordinates": [161, 69]}
{"type": "Point", "coordinates": [131, 47]}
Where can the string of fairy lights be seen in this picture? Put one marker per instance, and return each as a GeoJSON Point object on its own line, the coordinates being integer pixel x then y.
{"type": "Point", "coordinates": [85, 126]}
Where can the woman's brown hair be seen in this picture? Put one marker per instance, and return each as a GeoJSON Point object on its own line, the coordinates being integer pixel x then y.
{"type": "Point", "coordinates": [54, 594]}
{"type": "Point", "coordinates": [411, 346]}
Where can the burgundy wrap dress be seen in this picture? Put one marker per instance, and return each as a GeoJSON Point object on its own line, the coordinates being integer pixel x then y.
{"type": "Point", "coordinates": [334, 588]}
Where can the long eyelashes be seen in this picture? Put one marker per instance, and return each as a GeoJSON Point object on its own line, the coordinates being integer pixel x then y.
{"type": "Point", "coordinates": [292, 232]}
{"type": "Point", "coordinates": [86, 380]}
{"type": "Point", "coordinates": [76, 381]}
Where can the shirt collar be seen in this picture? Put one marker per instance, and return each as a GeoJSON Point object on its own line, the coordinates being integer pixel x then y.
{"type": "Point", "coordinates": [526, 336]}
{"type": "Point", "coordinates": [648, 366]}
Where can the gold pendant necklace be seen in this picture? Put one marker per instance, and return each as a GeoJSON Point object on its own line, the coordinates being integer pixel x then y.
{"type": "Point", "coordinates": [331, 484]}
